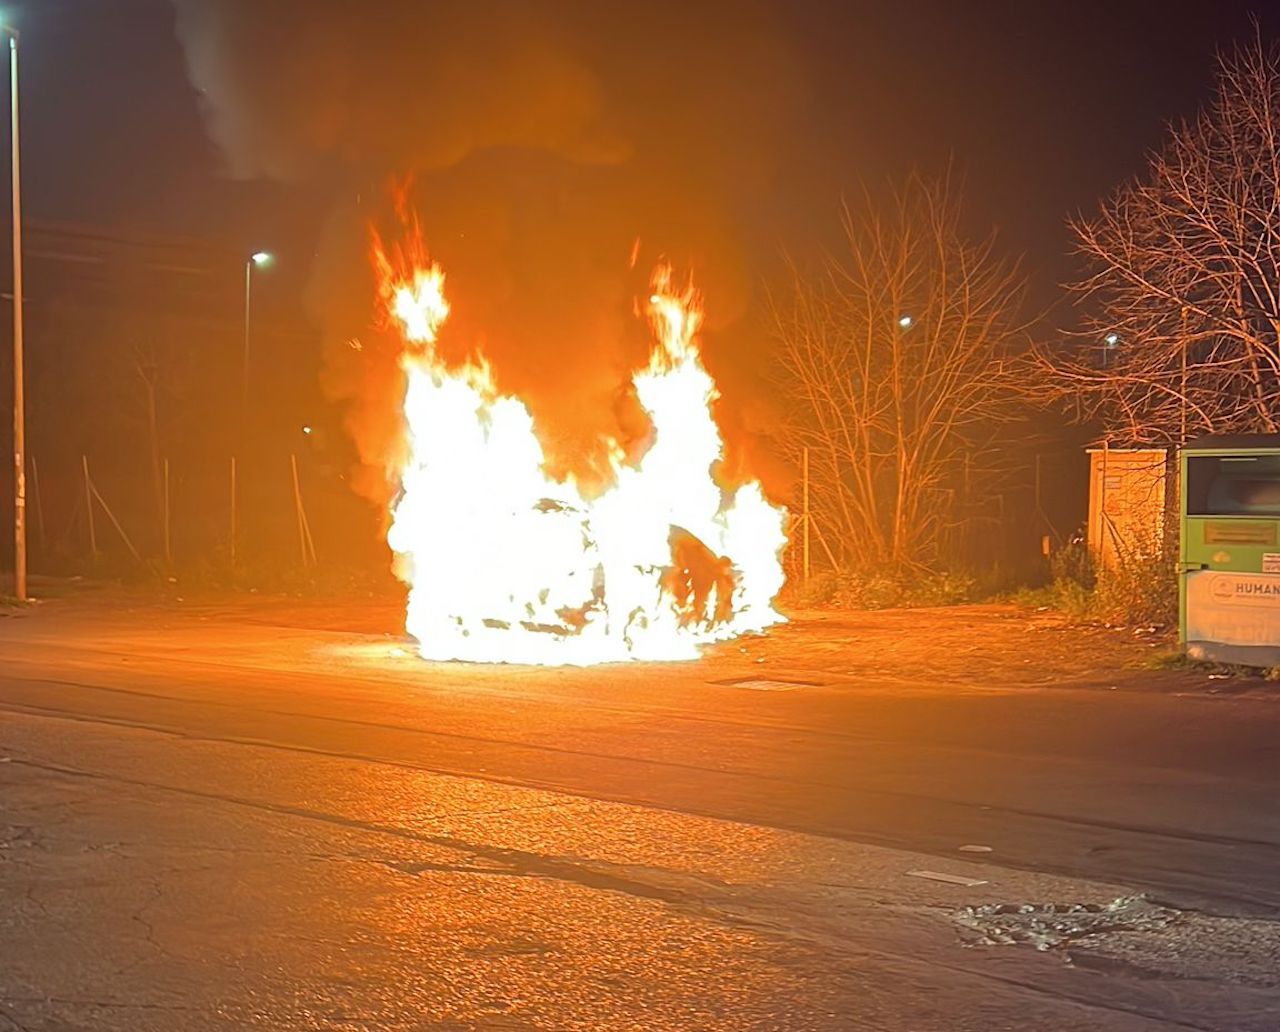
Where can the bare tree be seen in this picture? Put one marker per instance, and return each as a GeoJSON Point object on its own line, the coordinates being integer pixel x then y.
{"type": "Point", "coordinates": [898, 359]}
{"type": "Point", "coordinates": [1183, 289]}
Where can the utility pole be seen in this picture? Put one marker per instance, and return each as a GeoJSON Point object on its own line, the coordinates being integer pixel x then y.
{"type": "Point", "coordinates": [19, 399]}
{"type": "Point", "coordinates": [1182, 393]}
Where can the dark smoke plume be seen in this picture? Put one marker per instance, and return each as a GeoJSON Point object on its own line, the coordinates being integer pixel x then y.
{"type": "Point", "coordinates": [544, 138]}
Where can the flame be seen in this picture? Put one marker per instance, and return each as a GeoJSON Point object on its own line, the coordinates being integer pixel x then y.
{"type": "Point", "coordinates": [506, 564]}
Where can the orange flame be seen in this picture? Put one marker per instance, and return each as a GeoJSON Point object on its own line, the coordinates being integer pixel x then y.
{"type": "Point", "coordinates": [506, 564]}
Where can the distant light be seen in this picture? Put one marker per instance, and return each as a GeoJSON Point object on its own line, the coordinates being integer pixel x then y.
{"type": "Point", "coordinates": [306, 429]}
{"type": "Point", "coordinates": [905, 322]}
{"type": "Point", "coordinates": [261, 258]}
{"type": "Point", "coordinates": [1111, 339]}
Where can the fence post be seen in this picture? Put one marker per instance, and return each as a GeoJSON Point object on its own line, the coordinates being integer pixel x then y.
{"type": "Point", "coordinates": [35, 488]}
{"type": "Point", "coordinates": [88, 508]}
{"type": "Point", "coordinates": [114, 522]}
{"type": "Point", "coordinates": [305, 544]}
{"type": "Point", "coordinates": [168, 554]}
{"type": "Point", "coordinates": [233, 512]}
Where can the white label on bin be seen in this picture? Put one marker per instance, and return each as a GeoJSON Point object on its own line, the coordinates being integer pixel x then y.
{"type": "Point", "coordinates": [1233, 608]}
{"type": "Point", "coordinates": [1271, 562]}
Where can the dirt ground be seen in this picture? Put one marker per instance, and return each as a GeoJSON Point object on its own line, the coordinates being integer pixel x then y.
{"type": "Point", "coordinates": [963, 647]}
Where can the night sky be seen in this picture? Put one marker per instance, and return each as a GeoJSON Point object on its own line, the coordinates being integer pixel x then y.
{"type": "Point", "coordinates": [1041, 108]}
{"type": "Point", "coordinates": [724, 134]}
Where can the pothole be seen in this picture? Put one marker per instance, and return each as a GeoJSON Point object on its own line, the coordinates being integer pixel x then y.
{"type": "Point", "coordinates": [1049, 925]}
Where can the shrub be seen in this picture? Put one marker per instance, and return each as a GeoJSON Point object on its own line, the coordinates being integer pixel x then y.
{"type": "Point", "coordinates": [1140, 588]}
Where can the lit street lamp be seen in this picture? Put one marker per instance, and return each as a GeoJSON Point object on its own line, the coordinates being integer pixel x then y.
{"type": "Point", "coordinates": [1110, 342]}
{"type": "Point", "coordinates": [905, 322]}
{"type": "Point", "coordinates": [256, 260]}
{"type": "Point", "coordinates": [19, 400]}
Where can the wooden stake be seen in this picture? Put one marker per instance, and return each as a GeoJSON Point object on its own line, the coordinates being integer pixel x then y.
{"type": "Point", "coordinates": [233, 512]}
{"type": "Point", "coordinates": [35, 487]}
{"type": "Point", "coordinates": [168, 553]}
{"type": "Point", "coordinates": [311, 545]}
{"type": "Point", "coordinates": [305, 544]}
{"type": "Point", "coordinates": [826, 548]}
{"type": "Point", "coordinates": [114, 522]}
{"type": "Point", "coordinates": [88, 508]}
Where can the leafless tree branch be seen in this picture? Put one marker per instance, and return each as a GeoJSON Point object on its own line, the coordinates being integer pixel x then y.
{"type": "Point", "coordinates": [898, 366]}
{"type": "Point", "coordinates": [1183, 276]}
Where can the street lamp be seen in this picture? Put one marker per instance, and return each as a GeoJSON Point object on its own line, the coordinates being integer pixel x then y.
{"type": "Point", "coordinates": [1110, 342]}
{"type": "Point", "coordinates": [905, 322]}
{"type": "Point", "coordinates": [19, 399]}
{"type": "Point", "coordinates": [259, 259]}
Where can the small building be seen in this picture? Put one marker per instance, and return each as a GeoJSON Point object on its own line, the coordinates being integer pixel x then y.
{"type": "Point", "coordinates": [1127, 500]}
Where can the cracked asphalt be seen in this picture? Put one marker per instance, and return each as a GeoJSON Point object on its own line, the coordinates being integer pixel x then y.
{"type": "Point", "coordinates": [268, 814]}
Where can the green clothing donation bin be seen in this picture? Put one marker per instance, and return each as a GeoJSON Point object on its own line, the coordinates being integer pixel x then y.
{"type": "Point", "coordinates": [1230, 549]}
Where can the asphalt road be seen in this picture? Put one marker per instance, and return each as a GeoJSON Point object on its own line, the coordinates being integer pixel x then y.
{"type": "Point", "coordinates": [259, 814]}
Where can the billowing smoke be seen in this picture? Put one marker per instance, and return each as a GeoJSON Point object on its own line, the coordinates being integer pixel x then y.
{"type": "Point", "coordinates": [543, 138]}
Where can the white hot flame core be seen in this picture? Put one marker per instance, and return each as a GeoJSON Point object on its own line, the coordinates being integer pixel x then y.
{"type": "Point", "coordinates": [506, 564]}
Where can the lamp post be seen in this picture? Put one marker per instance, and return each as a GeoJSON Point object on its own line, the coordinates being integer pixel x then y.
{"type": "Point", "coordinates": [256, 260]}
{"type": "Point", "coordinates": [19, 399]}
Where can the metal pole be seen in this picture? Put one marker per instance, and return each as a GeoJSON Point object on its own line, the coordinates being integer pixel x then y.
{"type": "Point", "coordinates": [1182, 394]}
{"type": "Point", "coordinates": [233, 512]}
{"type": "Point", "coordinates": [19, 398]}
{"type": "Point", "coordinates": [805, 475]}
{"type": "Point", "coordinates": [35, 489]}
{"type": "Point", "coordinates": [244, 370]}
{"type": "Point", "coordinates": [168, 552]}
{"type": "Point", "coordinates": [88, 508]}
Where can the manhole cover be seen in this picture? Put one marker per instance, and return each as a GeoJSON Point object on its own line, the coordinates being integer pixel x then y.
{"type": "Point", "coordinates": [762, 684]}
